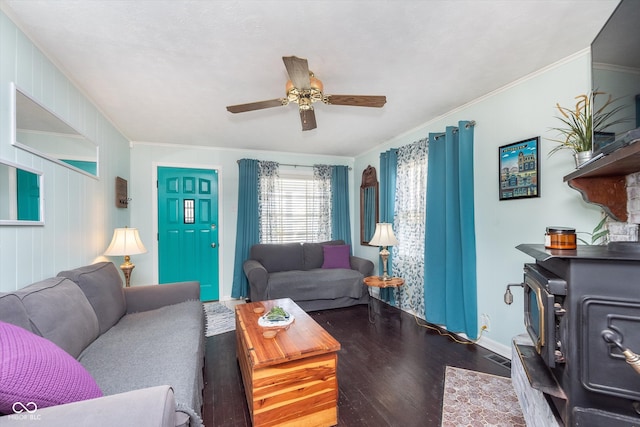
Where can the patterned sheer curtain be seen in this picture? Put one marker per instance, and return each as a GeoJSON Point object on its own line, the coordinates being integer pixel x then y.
{"type": "Point", "coordinates": [268, 200]}
{"type": "Point", "coordinates": [409, 224]}
{"type": "Point", "coordinates": [321, 203]}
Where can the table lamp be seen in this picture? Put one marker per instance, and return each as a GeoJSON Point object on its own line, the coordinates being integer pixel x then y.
{"type": "Point", "coordinates": [126, 241]}
{"type": "Point", "coordinates": [383, 236]}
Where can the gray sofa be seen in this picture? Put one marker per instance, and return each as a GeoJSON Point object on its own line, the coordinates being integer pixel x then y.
{"type": "Point", "coordinates": [294, 270]}
{"type": "Point", "coordinates": [143, 346]}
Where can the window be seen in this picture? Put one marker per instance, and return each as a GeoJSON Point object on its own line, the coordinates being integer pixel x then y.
{"type": "Point", "coordinates": [295, 209]}
{"type": "Point", "coordinates": [189, 211]}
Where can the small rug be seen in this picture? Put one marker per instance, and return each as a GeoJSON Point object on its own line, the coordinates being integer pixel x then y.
{"type": "Point", "coordinates": [477, 399]}
{"type": "Point", "coordinates": [220, 319]}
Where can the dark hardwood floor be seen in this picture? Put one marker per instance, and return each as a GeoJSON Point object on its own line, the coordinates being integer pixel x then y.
{"type": "Point", "coordinates": [390, 373]}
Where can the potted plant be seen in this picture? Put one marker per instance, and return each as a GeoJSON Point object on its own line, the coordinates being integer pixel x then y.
{"type": "Point", "coordinates": [600, 232]}
{"type": "Point", "coordinates": [581, 122]}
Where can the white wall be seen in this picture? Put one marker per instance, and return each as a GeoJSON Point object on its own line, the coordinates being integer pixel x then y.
{"type": "Point", "coordinates": [522, 110]}
{"type": "Point", "coordinates": [145, 158]}
{"type": "Point", "coordinates": [79, 211]}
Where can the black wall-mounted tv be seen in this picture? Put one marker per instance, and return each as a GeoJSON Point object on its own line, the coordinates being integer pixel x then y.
{"type": "Point", "coordinates": [615, 70]}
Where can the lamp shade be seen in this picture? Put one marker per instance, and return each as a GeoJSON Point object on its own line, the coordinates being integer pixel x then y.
{"type": "Point", "coordinates": [126, 241]}
{"type": "Point", "coordinates": [383, 236]}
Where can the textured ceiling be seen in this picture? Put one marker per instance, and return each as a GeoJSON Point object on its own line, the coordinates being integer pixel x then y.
{"type": "Point", "coordinates": [163, 71]}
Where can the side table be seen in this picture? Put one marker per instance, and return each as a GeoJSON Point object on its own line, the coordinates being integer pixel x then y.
{"type": "Point", "coordinates": [377, 282]}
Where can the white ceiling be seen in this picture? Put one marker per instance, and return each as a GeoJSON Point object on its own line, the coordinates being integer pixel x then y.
{"type": "Point", "coordinates": [164, 70]}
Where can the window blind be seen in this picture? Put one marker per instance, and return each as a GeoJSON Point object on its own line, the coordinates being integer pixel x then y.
{"type": "Point", "coordinates": [298, 207]}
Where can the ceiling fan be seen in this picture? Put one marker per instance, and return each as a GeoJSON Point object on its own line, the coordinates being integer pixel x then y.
{"type": "Point", "coordinates": [304, 89]}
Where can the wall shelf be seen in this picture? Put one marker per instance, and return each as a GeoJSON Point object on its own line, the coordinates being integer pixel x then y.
{"type": "Point", "coordinates": [603, 182]}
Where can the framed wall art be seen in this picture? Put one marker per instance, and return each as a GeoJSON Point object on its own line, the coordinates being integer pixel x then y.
{"type": "Point", "coordinates": [519, 174]}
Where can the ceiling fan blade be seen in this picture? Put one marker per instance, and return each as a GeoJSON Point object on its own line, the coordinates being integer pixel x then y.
{"type": "Point", "coordinates": [298, 70]}
{"type": "Point", "coordinates": [308, 119]}
{"type": "Point", "coordinates": [241, 108]}
{"type": "Point", "coordinates": [357, 100]}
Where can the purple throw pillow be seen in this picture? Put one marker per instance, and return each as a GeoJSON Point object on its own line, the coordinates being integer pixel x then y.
{"type": "Point", "coordinates": [336, 256]}
{"type": "Point", "coordinates": [36, 373]}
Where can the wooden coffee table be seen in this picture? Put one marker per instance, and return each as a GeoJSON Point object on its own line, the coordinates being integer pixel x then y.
{"type": "Point", "coordinates": [289, 380]}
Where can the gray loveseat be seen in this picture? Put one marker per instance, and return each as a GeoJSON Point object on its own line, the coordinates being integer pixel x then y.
{"type": "Point", "coordinates": [294, 270]}
{"type": "Point", "coordinates": [143, 346]}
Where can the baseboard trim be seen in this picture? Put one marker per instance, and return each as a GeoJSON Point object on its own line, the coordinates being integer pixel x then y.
{"type": "Point", "coordinates": [495, 346]}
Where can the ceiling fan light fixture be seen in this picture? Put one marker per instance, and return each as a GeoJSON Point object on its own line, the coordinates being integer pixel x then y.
{"type": "Point", "coordinates": [289, 86]}
{"type": "Point", "coordinates": [292, 92]}
{"type": "Point", "coordinates": [304, 97]}
{"type": "Point", "coordinates": [315, 83]}
{"type": "Point", "coordinates": [305, 104]}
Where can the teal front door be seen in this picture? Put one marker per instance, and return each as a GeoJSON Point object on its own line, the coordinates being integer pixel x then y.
{"type": "Point", "coordinates": [188, 228]}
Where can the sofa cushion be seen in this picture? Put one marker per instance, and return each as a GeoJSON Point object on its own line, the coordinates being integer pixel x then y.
{"type": "Point", "coordinates": [314, 255]}
{"type": "Point", "coordinates": [59, 311]}
{"type": "Point", "coordinates": [12, 311]}
{"type": "Point", "coordinates": [278, 256]}
{"type": "Point", "coordinates": [151, 348]}
{"type": "Point", "coordinates": [316, 284]}
{"type": "Point", "coordinates": [102, 286]}
{"type": "Point", "coordinates": [336, 256]}
{"type": "Point", "coordinates": [35, 373]}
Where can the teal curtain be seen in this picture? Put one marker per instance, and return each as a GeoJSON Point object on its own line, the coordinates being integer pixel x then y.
{"type": "Point", "coordinates": [450, 247]}
{"type": "Point", "coordinates": [247, 230]}
{"type": "Point", "coordinates": [340, 221]}
{"type": "Point", "coordinates": [388, 173]}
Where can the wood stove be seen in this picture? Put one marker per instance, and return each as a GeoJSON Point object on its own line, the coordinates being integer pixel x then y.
{"type": "Point", "coordinates": [589, 300]}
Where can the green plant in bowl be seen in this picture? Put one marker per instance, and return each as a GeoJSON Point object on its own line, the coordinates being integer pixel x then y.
{"type": "Point", "coordinates": [581, 122]}
{"type": "Point", "coordinates": [276, 314]}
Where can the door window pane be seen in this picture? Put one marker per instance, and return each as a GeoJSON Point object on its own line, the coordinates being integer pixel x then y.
{"type": "Point", "coordinates": [189, 211]}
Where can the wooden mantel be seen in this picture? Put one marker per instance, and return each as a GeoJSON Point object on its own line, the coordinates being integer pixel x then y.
{"type": "Point", "coordinates": [603, 182]}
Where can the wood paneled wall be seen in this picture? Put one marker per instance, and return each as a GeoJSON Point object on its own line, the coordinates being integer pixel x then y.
{"type": "Point", "coordinates": [79, 211]}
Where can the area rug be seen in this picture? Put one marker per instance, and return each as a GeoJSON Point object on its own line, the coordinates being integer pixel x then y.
{"type": "Point", "coordinates": [477, 399]}
{"type": "Point", "coordinates": [220, 319]}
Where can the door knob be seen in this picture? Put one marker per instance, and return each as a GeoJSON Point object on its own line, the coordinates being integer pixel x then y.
{"type": "Point", "coordinates": [213, 245]}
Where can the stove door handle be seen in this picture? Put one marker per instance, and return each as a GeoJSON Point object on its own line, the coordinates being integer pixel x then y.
{"type": "Point", "coordinates": [613, 337]}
